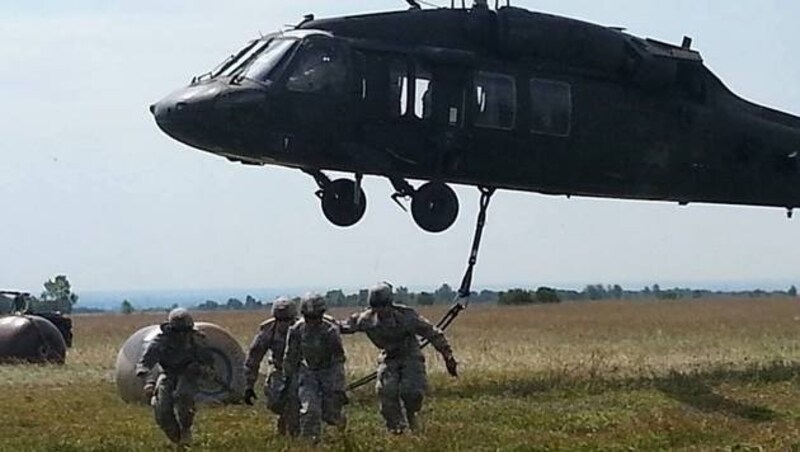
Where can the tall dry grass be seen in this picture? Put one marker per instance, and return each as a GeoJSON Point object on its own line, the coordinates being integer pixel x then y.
{"type": "Point", "coordinates": [700, 374]}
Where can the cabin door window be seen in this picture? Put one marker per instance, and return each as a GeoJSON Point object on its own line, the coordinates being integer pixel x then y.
{"type": "Point", "coordinates": [551, 107]}
{"type": "Point", "coordinates": [495, 100]}
{"type": "Point", "coordinates": [423, 94]}
{"type": "Point", "coordinates": [398, 89]}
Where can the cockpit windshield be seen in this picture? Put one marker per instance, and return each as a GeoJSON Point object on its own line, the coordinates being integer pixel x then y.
{"type": "Point", "coordinates": [267, 58]}
{"type": "Point", "coordinates": [233, 61]}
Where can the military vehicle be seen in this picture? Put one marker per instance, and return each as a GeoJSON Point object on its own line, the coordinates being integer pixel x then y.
{"type": "Point", "coordinates": [34, 337]}
{"type": "Point", "coordinates": [497, 98]}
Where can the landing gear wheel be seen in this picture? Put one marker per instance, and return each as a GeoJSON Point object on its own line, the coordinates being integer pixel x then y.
{"type": "Point", "coordinates": [434, 207]}
{"type": "Point", "coordinates": [341, 205]}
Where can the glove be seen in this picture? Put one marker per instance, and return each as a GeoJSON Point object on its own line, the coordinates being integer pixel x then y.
{"type": "Point", "coordinates": [149, 390]}
{"type": "Point", "coordinates": [249, 396]}
{"type": "Point", "coordinates": [452, 365]}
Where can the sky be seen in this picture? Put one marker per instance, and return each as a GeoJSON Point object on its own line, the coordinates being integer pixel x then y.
{"type": "Point", "coordinates": [91, 188]}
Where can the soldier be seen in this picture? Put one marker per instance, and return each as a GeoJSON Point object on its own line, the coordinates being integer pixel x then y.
{"type": "Point", "coordinates": [180, 350]}
{"type": "Point", "coordinates": [401, 380]}
{"type": "Point", "coordinates": [314, 353]}
{"type": "Point", "coordinates": [271, 337]}
{"type": "Point", "coordinates": [21, 303]}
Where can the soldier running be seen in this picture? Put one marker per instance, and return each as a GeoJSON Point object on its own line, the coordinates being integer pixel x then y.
{"type": "Point", "coordinates": [180, 350]}
{"type": "Point", "coordinates": [315, 355]}
{"type": "Point", "coordinates": [402, 381]}
{"type": "Point", "coordinates": [271, 337]}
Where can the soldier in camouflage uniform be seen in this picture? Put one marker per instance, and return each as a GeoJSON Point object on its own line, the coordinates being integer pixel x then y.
{"type": "Point", "coordinates": [314, 353]}
{"type": "Point", "coordinates": [271, 337]}
{"type": "Point", "coordinates": [401, 380]}
{"type": "Point", "coordinates": [181, 352]}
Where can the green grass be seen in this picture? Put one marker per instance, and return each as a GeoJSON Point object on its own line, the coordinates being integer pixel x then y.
{"type": "Point", "coordinates": [608, 376]}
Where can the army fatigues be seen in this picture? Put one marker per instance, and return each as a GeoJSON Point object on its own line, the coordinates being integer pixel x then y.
{"type": "Point", "coordinates": [280, 400]}
{"type": "Point", "coordinates": [401, 380]}
{"type": "Point", "coordinates": [181, 357]}
{"type": "Point", "coordinates": [314, 353]}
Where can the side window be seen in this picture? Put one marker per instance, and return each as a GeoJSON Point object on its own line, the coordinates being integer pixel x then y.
{"type": "Point", "coordinates": [398, 89]}
{"type": "Point", "coordinates": [551, 107]}
{"type": "Point", "coordinates": [423, 94]}
{"type": "Point", "coordinates": [495, 97]}
{"type": "Point", "coordinates": [320, 66]}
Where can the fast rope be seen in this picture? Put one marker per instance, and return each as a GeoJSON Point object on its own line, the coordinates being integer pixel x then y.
{"type": "Point", "coordinates": [466, 282]}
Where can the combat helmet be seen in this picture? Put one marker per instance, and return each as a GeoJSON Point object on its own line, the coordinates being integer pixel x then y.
{"type": "Point", "coordinates": [380, 295]}
{"type": "Point", "coordinates": [313, 305]}
{"type": "Point", "coordinates": [179, 319]}
{"type": "Point", "coordinates": [284, 309]}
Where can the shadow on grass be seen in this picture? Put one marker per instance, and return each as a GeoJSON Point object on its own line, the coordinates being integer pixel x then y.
{"type": "Point", "coordinates": [694, 391]}
{"type": "Point", "coordinates": [693, 388]}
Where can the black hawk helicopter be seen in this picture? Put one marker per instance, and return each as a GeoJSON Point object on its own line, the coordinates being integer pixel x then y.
{"type": "Point", "coordinates": [504, 98]}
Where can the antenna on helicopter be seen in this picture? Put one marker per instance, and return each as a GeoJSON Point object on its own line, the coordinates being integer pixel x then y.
{"type": "Point", "coordinates": [413, 4]}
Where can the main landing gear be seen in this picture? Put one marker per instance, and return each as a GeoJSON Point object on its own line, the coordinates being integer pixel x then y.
{"type": "Point", "coordinates": [343, 200]}
{"type": "Point", "coordinates": [434, 205]}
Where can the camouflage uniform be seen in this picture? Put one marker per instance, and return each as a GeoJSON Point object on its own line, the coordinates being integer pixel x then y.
{"type": "Point", "coordinates": [315, 354]}
{"type": "Point", "coordinates": [181, 353]}
{"type": "Point", "coordinates": [402, 381]}
{"type": "Point", "coordinates": [272, 337]}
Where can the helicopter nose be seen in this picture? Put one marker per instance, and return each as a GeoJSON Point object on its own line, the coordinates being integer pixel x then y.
{"type": "Point", "coordinates": [185, 113]}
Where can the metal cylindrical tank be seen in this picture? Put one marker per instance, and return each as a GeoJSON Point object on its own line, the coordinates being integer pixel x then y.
{"type": "Point", "coordinates": [228, 363]}
{"type": "Point", "coordinates": [31, 338]}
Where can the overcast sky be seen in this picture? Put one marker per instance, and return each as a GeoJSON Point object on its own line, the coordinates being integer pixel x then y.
{"type": "Point", "coordinates": [91, 188]}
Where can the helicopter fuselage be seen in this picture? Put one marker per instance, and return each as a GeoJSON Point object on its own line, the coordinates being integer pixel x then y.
{"type": "Point", "coordinates": [508, 99]}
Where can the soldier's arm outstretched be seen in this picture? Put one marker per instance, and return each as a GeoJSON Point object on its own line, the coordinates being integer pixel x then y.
{"type": "Point", "coordinates": [423, 328]}
{"type": "Point", "coordinates": [349, 326]}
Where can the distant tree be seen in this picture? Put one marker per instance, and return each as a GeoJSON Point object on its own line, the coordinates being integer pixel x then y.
{"type": "Point", "coordinates": [234, 304]}
{"type": "Point", "coordinates": [445, 293]}
{"type": "Point", "coordinates": [487, 296]}
{"type": "Point", "coordinates": [595, 292]}
{"type": "Point", "coordinates": [126, 307]}
{"type": "Point", "coordinates": [251, 303]}
{"type": "Point", "coordinates": [401, 295]}
{"type": "Point", "coordinates": [208, 305]}
{"type": "Point", "coordinates": [617, 292]}
{"type": "Point", "coordinates": [793, 291]}
{"type": "Point", "coordinates": [57, 295]}
{"type": "Point", "coordinates": [515, 297]}
{"type": "Point", "coordinates": [363, 296]}
{"type": "Point", "coordinates": [335, 298]}
{"type": "Point", "coordinates": [547, 295]}
{"type": "Point", "coordinates": [656, 290]}
{"type": "Point", "coordinates": [425, 299]}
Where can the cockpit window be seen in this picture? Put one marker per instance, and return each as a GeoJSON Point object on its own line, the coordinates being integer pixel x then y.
{"type": "Point", "coordinates": [231, 60]}
{"type": "Point", "coordinates": [267, 58]}
{"type": "Point", "coordinates": [242, 58]}
{"type": "Point", "coordinates": [320, 66]}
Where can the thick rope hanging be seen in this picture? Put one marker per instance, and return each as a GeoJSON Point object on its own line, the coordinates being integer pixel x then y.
{"type": "Point", "coordinates": [466, 282]}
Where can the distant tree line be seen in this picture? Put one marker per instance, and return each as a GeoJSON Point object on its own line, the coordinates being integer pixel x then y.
{"type": "Point", "coordinates": [445, 295]}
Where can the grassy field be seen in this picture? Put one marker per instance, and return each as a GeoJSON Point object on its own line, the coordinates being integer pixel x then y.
{"type": "Point", "coordinates": [701, 374]}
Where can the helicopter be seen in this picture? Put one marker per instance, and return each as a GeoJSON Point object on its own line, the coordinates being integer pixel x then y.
{"type": "Point", "coordinates": [502, 98]}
